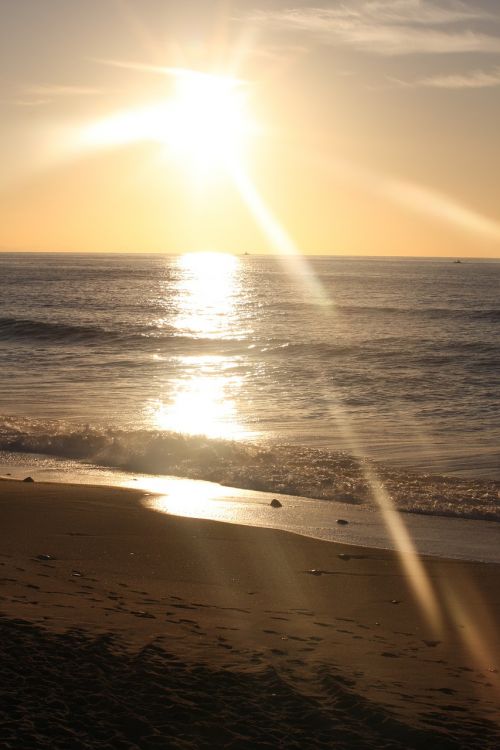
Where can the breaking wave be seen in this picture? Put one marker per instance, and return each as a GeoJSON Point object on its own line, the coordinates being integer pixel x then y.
{"type": "Point", "coordinates": [294, 470]}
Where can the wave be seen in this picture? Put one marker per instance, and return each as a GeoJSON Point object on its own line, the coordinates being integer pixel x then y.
{"type": "Point", "coordinates": [492, 313]}
{"type": "Point", "coordinates": [12, 329]}
{"type": "Point", "coordinates": [294, 470]}
{"type": "Point", "coordinates": [18, 328]}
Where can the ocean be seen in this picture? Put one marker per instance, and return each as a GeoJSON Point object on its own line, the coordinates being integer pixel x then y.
{"type": "Point", "coordinates": [321, 378]}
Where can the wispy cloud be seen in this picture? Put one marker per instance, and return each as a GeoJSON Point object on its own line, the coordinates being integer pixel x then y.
{"type": "Point", "coordinates": [422, 11]}
{"type": "Point", "coordinates": [391, 27]}
{"type": "Point", "coordinates": [475, 79]}
{"type": "Point", "coordinates": [131, 65]}
{"type": "Point", "coordinates": [26, 102]}
{"type": "Point", "coordinates": [56, 90]}
{"type": "Point", "coordinates": [40, 95]}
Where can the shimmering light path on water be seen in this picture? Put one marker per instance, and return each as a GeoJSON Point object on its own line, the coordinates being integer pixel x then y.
{"type": "Point", "coordinates": [235, 347]}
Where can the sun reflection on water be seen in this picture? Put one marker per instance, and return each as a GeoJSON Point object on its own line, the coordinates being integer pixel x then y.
{"type": "Point", "coordinates": [203, 405]}
{"type": "Point", "coordinates": [203, 400]}
{"type": "Point", "coordinates": [206, 296]}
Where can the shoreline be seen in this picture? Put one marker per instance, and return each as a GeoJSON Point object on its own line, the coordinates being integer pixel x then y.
{"type": "Point", "coordinates": [450, 537]}
{"type": "Point", "coordinates": [236, 605]}
{"type": "Point", "coordinates": [334, 475]}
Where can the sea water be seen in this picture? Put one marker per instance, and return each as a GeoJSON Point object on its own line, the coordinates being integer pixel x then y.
{"type": "Point", "coordinates": [332, 378]}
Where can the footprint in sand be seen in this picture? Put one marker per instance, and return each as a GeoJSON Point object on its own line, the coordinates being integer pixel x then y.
{"type": "Point", "coordinates": [182, 606]}
{"type": "Point", "coordinates": [142, 614]}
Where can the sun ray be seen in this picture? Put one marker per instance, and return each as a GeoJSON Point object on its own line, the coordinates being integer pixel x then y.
{"type": "Point", "coordinates": [410, 560]}
{"type": "Point", "coordinates": [278, 238]}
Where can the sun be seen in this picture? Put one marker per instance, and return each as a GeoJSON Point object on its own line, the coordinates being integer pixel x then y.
{"type": "Point", "coordinates": [204, 123]}
{"type": "Point", "coordinates": [207, 120]}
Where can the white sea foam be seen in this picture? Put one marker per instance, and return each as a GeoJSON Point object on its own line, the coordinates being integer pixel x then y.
{"type": "Point", "coordinates": [291, 470]}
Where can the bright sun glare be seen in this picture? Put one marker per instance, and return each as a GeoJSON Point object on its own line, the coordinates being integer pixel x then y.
{"type": "Point", "coordinates": [208, 121]}
{"type": "Point", "coordinates": [205, 122]}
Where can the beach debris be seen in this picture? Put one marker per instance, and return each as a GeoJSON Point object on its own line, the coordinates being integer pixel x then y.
{"type": "Point", "coordinates": [315, 572]}
{"type": "Point", "coordinates": [28, 479]}
{"type": "Point", "coordinates": [76, 573]}
{"type": "Point", "coordinates": [275, 503]}
{"type": "Point", "coordinates": [342, 522]}
{"type": "Point", "coordinates": [44, 557]}
{"type": "Point", "coordinates": [395, 601]}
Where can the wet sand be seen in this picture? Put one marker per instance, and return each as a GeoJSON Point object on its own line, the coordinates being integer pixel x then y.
{"type": "Point", "coordinates": [126, 628]}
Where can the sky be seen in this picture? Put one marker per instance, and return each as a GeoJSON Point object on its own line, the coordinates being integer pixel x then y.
{"type": "Point", "coordinates": [349, 127]}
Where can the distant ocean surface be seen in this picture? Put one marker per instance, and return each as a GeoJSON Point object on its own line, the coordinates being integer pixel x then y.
{"type": "Point", "coordinates": [261, 372]}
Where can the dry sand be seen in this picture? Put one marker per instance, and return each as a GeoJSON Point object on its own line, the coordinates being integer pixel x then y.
{"type": "Point", "coordinates": [126, 628]}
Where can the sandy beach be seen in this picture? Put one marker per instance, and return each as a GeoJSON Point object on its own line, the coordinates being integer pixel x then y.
{"type": "Point", "coordinates": [249, 375]}
{"type": "Point", "coordinates": [127, 628]}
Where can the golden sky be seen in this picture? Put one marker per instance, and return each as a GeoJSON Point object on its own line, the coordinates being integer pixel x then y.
{"type": "Point", "coordinates": [363, 127]}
